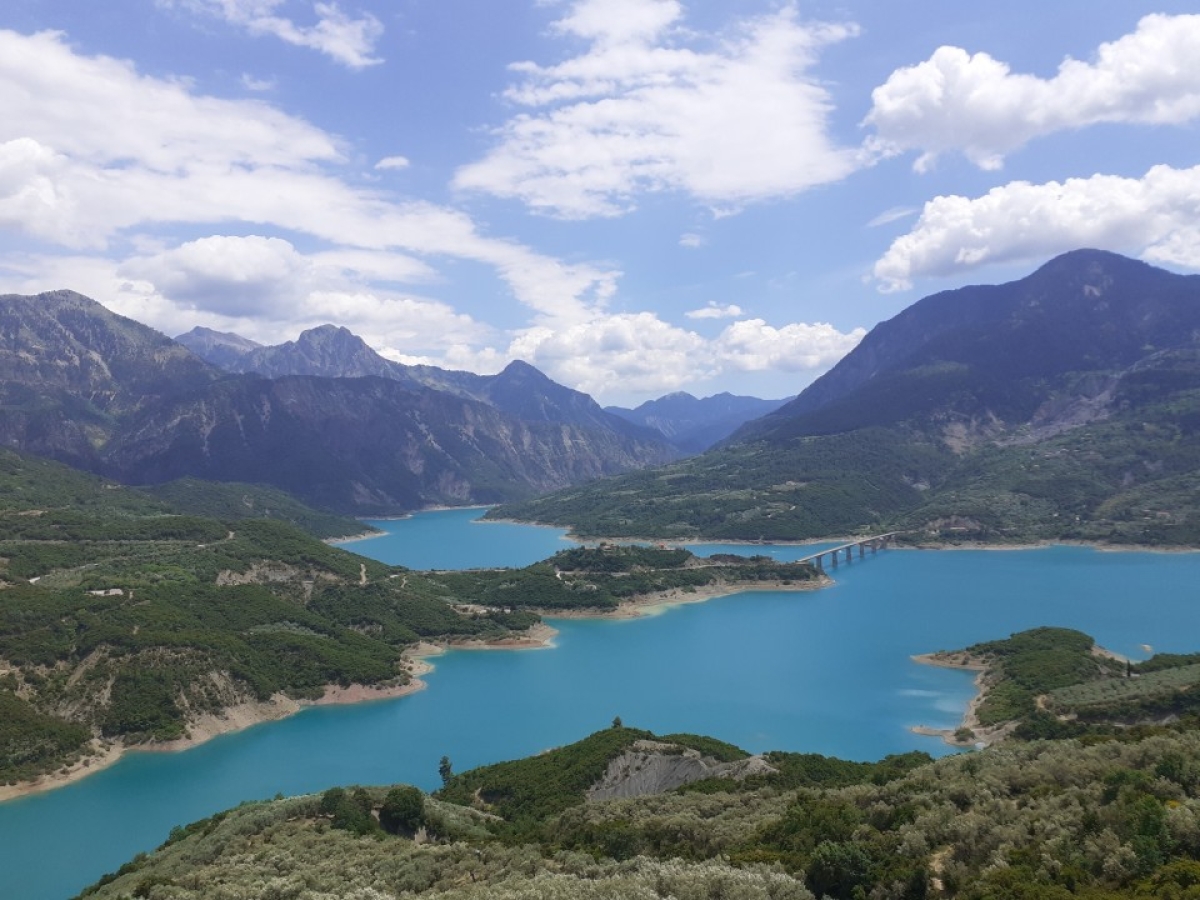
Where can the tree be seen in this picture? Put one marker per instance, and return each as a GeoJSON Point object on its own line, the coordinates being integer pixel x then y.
{"type": "Point", "coordinates": [403, 810]}
{"type": "Point", "coordinates": [617, 723]}
{"type": "Point", "coordinates": [446, 770]}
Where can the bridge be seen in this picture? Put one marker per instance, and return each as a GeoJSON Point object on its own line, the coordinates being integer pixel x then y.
{"type": "Point", "coordinates": [873, 543]}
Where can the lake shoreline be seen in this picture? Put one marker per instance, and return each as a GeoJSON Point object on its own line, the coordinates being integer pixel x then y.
{"type": "Point", "coordinates": [251, 713]}
{"type": "Point", "coordinates": [970, 717]}
{"type": "Point", "coordinates": [241, 716]}
{"type": "Point", "coordinates": [230, 720]}
{"type": "Point", "coordinates": [980, 735]}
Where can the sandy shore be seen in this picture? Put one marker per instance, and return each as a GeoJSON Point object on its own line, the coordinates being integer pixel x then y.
{"type": "Point", "coordinates": [653, 604]}
{"type": "Point", "coordinates": [249, 714]}
{"type": "Point", "coordinates": [350, 539]}
{"type": "Point", "coordinates": [981, 735]}
{"type": "Point", "coordinates": [102, 756]}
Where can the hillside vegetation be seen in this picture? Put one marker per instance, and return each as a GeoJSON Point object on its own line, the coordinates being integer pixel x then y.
{"type": "Point", "coordinates": [1110, 817]}
{"type": "Point", "coordinates": [123, 620]}
{"type": "Point", "coordinates": [1113, 811]}
{"type": "Point", "coordinates": [1065, 406]}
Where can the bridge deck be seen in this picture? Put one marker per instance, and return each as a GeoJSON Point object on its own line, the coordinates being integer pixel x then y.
{"type": "Point", "coordinates": [875, 541]}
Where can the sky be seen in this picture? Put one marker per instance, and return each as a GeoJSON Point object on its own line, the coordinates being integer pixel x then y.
{"type": "Point", "coordinates": [636, 196]}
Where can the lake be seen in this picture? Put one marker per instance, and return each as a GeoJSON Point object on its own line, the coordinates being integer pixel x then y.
{"type": "Point", "coordinates": [825, 671]}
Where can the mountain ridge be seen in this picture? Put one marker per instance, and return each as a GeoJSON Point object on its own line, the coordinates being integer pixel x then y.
{"type": "Point", "coordinates": [1061, 406]}
{"type": "Point", "coordinates": [121, 399]}
{"type": "Point", "coordinates": [694, 424]}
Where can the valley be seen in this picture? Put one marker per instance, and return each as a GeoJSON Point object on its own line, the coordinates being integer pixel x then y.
{"type": "Point", "coordinates": [177, 583]}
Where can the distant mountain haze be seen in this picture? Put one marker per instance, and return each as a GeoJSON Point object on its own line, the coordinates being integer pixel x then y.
{"type": "Point", "coordinates": [693, 424]}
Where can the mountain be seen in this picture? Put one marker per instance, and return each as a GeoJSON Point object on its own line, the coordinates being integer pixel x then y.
{"type": "Point", "coordinates": [693, 424]}
{"type": "Point", "coordinates": [329, 351]}
{"type": "Point", "coordinates": [70, 370]}
{"type": "Point", "coordinates": [335, 352]}
{"type": "Point", "coordinates": [84, 386]}
{"type": "Point", "coordinates": [369, 445]}
{"type": "Point", "coordinates": [221, 348]}
{"type": "Point", "coordinates": [1065, 405]}
{"type": "Point", "coordinates": [1001, 352]}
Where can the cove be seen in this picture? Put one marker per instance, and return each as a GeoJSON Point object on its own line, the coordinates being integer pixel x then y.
{"type": "Point", "coordinates": [825, 671]}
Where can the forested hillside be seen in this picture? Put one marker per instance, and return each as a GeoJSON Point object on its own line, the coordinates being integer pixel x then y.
{"type": "Point", "coordinates": [1102, 818]}
{"type": "Point", "coordinates": [1065, 406]}
{"type": "Point", "coordinates": [125, 620]}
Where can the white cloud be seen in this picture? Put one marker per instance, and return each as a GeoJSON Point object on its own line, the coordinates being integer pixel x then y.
{"type": "Point", "coordinates": [691, 241]}
{"type": "Point", "coordinates": [258, 85]}
{"type": "Point", "coordinates": [638, 353]}
{"type": "Point", "coordinates": [895, 214]}
{"type": "Point", "coordinates": [712, 311]}
{"type": "Point", "coordinates": [117, 151]}
{"type": "Point", "coordinates": [752, 345]}
{"type": "Point", "coordinates": [261, 288]}
{"type": "Point", "coordinates": [393, 162]}
{"type": "Point", "coordinates": [1154, 216]}
{"type": "Point", "coordinates": [230, 276]}
{"type": "Point", "coordinates": [956, 101]}
{"type": "Point", "coordinates": [639, 112]}
{"type": "Point", "coordinates": [345, 39]}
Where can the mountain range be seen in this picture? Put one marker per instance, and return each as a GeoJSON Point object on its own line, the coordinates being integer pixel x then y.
{"type": "Point", "coordinates": [1065, 405]}
{"type": "Point", "coordinates": [338, 427]}
{"type": "Point", "coordinates": [693, 424]}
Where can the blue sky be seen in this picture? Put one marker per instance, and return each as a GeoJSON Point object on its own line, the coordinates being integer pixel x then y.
{"type": "Point", "coordinates": [636, 196]}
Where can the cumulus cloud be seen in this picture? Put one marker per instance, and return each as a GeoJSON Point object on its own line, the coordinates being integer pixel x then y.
{"type": "Point", "coordinates": [1154, 216]}
{"type": "Point", "coordinates": [346, 39]}
{"type": "Point", "coordinates": [713, 311]}
{"type": "Point", "coordinates": [641, 111]}
{"type": "Point", "coordinates": [973, 103]}
{"type": "Point", "coordinates": [230, 276]}
{"type": "Point", "coordinates": [752, 345]}
{"type": "Point", "coordinates": [638, 353]}
{"type": "Point", "coordinates": [691, 241]}
{"type": "Point", "coordinates": [118, 151]}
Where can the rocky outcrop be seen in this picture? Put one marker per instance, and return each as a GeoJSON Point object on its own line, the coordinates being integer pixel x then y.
{"type": "Point", "coordinates": [655, 767]}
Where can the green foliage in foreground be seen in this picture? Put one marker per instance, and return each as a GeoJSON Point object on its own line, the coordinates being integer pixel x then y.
{"type": "Point", "coordinates": [1047, 820]}
{"type": "Point", "coordinates": [528, 790]}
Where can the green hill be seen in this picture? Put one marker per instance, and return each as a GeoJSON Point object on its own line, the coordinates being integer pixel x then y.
{"type": "Point", "coordinates": [1042, 820]}
{"type": "Point", "coordinates": [126, 619]}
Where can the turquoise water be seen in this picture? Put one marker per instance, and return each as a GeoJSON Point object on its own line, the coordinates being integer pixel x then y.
{"type": "Point", "coordinates": [456, 539]}
{"type": "Point", "coordinates": [825, 671]}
